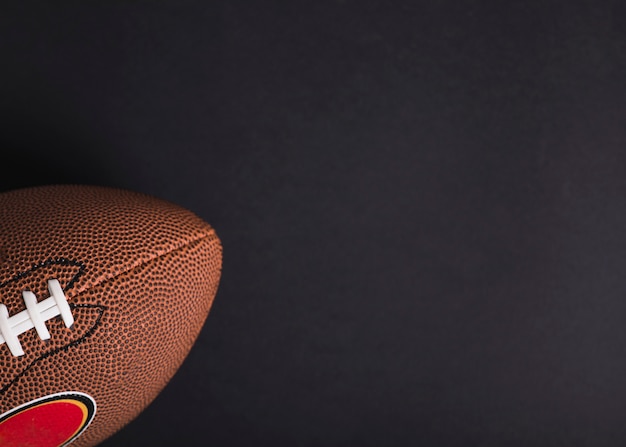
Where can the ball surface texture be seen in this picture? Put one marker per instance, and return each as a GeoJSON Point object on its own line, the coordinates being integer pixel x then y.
{"type": "Point", "coordinates": [103, 293]}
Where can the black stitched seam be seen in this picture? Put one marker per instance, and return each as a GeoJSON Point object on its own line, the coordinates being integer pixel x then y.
{"type": "Point", "coordinates": [72, 344]}
{"type": "Point", "coordinates": [54, 261]}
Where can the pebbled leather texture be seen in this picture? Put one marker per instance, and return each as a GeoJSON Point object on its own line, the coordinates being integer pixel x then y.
{"type": "Point", "coordinates": [140, 275]}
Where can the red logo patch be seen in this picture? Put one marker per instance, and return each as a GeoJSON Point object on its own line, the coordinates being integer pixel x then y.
{"type": "Point", "coordinates": [52, 421]}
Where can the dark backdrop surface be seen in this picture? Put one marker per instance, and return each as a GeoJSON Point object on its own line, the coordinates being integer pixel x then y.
{"type": "Point", "coordinates": [421, 206]}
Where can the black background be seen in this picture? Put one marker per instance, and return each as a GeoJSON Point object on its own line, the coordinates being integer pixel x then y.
{"type": "Point", "coordinates": [421, 206]}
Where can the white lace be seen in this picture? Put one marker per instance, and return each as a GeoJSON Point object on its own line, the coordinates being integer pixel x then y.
{"type": "Point", "coordinates": [35, 316]}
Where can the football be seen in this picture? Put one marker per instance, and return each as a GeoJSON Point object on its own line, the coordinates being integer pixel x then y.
{"type": "Point", "coordinates": [103, 293]}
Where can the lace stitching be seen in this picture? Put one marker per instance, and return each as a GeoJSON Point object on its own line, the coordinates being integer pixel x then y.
{"type": "Point", "coordinates": [34, 317]}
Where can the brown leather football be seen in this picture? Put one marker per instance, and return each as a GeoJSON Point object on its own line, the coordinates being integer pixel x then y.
{"type": "Point", "coordinates": [103, 293]}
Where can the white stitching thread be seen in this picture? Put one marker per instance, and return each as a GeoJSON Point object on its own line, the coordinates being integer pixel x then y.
{"type": "Point", "coordinates": [35, 316]}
